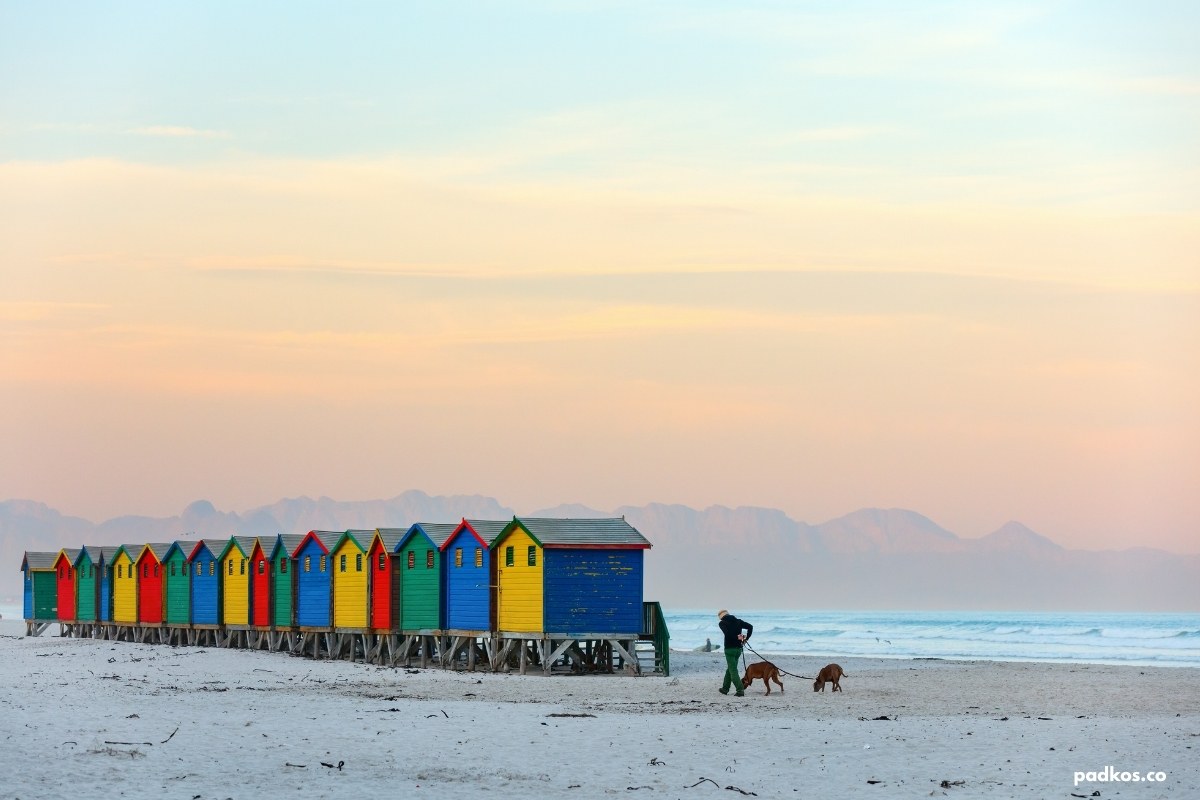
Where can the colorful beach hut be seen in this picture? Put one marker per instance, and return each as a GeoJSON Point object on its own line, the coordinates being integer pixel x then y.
{"type": "Point", "coordinates": [283, 589]}
{"type": "Point", "coordinates": [150, 582]}
{"type": "Point", "coordinates": [350, 596]}
{"type": "Point", "coordinates": [64, 584]}
{"type": "Point", "coordinates": [85, 584]}
{"type": "Point", "coordinates": [313, 579]}
{"type": "Point", "coordinates": [177, 580]}
{"type": "Point", "coordinates": [125, 585]}
{"type": "Point", "coordinates": [467, 563]}
{"type": "Point", "coordinates": [235, 580]}
{"type": "Point", "coordinates": [206, 583]}
{"type": "Point", "coordinates": [40, 596]}
{"type": "Point", "coordinates": [420, 575]}
{"type": "Point", "coordinates": [105, 575]}
{"type": "Point", "coordinates": [260, 586]}
{"type": "Point", "coordinates": [569, 576]}
{"type": "Point", "coordinates": [384, 580]}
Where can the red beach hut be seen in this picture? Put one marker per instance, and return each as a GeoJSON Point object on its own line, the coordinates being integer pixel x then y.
{"type": "Point", "coordinates": [260, 586]}
{"type": "Point", "coordinates": [64, 581]}
{"type": "Point", "coordinates": [385, 582]}
{"type": "Point", "coordinates": [149, 571]}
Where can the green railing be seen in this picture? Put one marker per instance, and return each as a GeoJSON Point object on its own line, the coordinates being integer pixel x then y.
{"type": "Point", "coordinates": [654, 628]}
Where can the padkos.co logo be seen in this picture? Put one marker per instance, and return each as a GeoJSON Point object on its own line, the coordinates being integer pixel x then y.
{"type": "Point", "coordinates": [1111, 774]}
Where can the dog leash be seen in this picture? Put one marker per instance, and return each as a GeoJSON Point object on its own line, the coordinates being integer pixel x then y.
{"type": "Point", "coordinates": [746, 647]}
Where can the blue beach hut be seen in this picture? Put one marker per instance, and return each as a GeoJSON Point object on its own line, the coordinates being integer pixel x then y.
{"type": "Point", "coordinates": [104, 580]}
{"type": "Point", "coordinates": [313, 579]}
{"type": "Point", "coordinates": [569, 577]}
{"type": "Point", "coordinates": [206, 605]}
{"type": "Point", "coordinates": [467, 564]}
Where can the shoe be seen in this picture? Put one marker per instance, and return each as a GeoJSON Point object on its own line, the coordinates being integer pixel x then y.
{"type": "Point", "coordinates": [723, 691]}
{"type": "Point", "coordinates": [740, 694]}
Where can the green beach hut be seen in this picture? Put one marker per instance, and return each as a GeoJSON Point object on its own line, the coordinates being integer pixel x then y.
{"type": "Point", "coordinates": [177, 584]}
{"type": "Point", "coordinates": [86, 585]}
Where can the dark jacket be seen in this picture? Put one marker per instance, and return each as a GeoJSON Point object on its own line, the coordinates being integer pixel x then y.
{"type": "Point", "coordinates": [731, 626]}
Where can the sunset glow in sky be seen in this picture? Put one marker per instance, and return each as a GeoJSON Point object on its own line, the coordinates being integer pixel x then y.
{"type": "Point", "coordinates": [812, 256]}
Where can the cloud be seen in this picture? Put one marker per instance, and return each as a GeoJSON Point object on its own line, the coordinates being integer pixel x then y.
{"type": "Point", "coordinates": [179, 132]}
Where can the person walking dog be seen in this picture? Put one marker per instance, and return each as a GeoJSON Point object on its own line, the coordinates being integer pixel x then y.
{"type": "Point", "coordinates": [732, 627]}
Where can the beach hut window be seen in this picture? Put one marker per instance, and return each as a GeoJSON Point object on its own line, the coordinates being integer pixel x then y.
{"type": "Point", "coordinates": [199, 569]}
{"type": "Point", "coordinates": [358, 562]}
{"type": "Point", "coordinates": [156, 570]}
{"type": "Point", "coordinates": [242, 566]}
{"type": "Point", "coordinates": [532, 555]}
{"type": "Point", "coordinates": [230, 564]}
{"type": "Point", "coordinates": [428, 559]}
{"type": "Point", "coordinates": [262, 567]}
{"type": "Point", "coordinates": [145, 570]}
{"type": "Point", "coordinates": [382, 562]}
{"type": "Point", "coordinates": [308, 563]}
{"type": "Point", "coordinates": [508, 556]}
{"type": "Point", "coordinates": [478, 556]}
{"type": "Point", "coordinates": [458, 557]}
{"type": "Point", "coordinates": [212, 568]}
{"type": "Point", "coordinates": [172, 569]}
{"type": "Point", "coordinates": [323, 563]}
{"type": "Point", "coordinates": [412, 558]}
{"type": "Point", "coordinates": [283, 566]}
{"type": "Point", "coordinates": [342, 563]}
{"type": "Point", "coordinates": [120, 570]}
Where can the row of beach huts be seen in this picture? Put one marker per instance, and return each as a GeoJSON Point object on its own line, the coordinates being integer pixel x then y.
{"type": "Point", "coordinates": [551, 594]}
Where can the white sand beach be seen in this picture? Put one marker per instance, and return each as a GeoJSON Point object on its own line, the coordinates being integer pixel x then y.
{"type": "Point", "coordinates": [92, 718]}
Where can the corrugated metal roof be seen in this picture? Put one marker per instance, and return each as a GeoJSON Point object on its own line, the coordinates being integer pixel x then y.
{"type": "Point", "coordinates": [159, 549]}
{"type": "Point", "coordinates": [185, 547]}
{"type": "Point", "coordinates": [35, 559]}
{"type": "Point", "coordinates": [327, 539]}
{"type": "Point", "coordinates": [391, 537]}
{"type": "Point", "coordinates": [288, 541]}
{"type": "Point", "coordinates": [243, 543]}
{"type": "Point", "coordinates": [489, 529]}
{"type": "Point", "coordinates": [71, 553]}
{"type": "Point", "coordinates": [438, 532]}
{"type": "Point", "coordinates": [107, 552]}
{"type": "Point", "coordinates": [582, 532]}
{"type": "Point", "coordinates": [361, 536]}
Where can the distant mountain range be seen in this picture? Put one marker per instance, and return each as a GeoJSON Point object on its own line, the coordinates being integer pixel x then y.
{"type": "Point", "coordinates": [717, 557]}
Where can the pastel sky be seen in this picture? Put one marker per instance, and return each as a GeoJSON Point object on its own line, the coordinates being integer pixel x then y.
{"type": "Point", "coordinates": [813, 256]}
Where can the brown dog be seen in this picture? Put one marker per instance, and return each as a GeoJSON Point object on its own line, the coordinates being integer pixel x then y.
{"type": "Point", "coordinates": [764, 671]}
{"type": "Point", "coordinates": [830, 673]}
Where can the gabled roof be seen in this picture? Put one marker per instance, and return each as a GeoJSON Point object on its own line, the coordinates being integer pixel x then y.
{"type": "Point", "coordinates": [205, 544]}
{"type": "Point", "coordinates": [484, 531]}
{"type": "Point", "coordinates": [615, 532]}
{"type": "Point", "coordinates": [389, 537]}
{"type": "Point", "coordinates": [361, 539]}
{"type": "Point", "coordinates": [91, 551]}
{"type": "Point", "coordinates": [69, 553]}
{"type": "Point", "coordinates": [288, 541]}
{"type": "Point", "coordinates": [157, 549]}
{"type": "Point", "coordinates": [435, 532]}
{"type": "Point", "coordinates": [184, 548]}
{"type": "Point", "coordinates": [323, 539]}
{"type": "Point", "coordinates": [243, 543]}
{"type": "Point", "coordinates": [131, 551]}
{"type": "Point", "coordinates": [38, 560]}
{"type": "Point", "coordinates": [104, 553]}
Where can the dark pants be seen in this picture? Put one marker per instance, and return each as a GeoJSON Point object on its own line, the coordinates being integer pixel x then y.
{"type": "Point", "coordinates": [732, 675]}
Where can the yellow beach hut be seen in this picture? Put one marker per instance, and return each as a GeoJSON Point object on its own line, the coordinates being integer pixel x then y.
{"type": "Point", "coordinates": [235, 577]}
{"type": "Point", "coordinates": [350, 597]}
{"type": "Point", "coordinates": [125, 584]}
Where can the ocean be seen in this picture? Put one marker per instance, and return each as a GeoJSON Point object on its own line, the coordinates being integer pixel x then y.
{"type": "Point", "coordinates": [1163, 640]}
